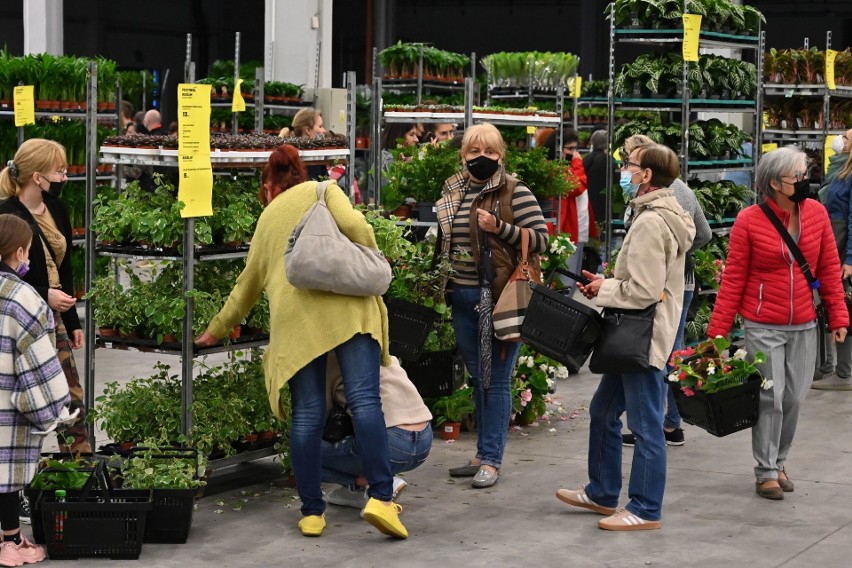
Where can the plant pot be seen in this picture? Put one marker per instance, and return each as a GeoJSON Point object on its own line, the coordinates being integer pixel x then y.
{"type": "Point", "coordinates": [107, 332]}
{"type": "Point", "coordinates": [362, 142]}
{"type": "Point", "coordinates": [403, 211]}
{"type": "Point", "coordinates": [235, 333]}
{"type": "Point", "coordinates": [450, 430]}
{"type": "Point", "coordinates": [426, 212]}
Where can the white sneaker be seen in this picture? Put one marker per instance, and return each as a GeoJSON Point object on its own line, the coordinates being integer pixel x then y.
{"type": "Point", "coordinates": [399, 486]}
{"type": "Point", "coordinates": [344, 497]}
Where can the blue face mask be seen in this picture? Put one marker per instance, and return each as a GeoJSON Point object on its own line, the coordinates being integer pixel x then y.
{"type": "Point", "coordinates": [628, 188]}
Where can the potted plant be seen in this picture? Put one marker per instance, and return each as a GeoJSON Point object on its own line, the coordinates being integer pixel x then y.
{"type": "Point", "coordinates": [423, 176]}
{"type": "Point", "coordinates": [533, 378]}
{"type": "Point", "coordinates": [451, 409]}
{"type": "Point", "coordinates": [716, 391]}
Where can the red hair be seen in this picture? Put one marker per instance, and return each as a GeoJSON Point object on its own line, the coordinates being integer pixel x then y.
{"type": "Point", "coordinates": [283, 170]}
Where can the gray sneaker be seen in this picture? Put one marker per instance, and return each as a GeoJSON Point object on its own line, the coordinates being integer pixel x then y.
{"type": "Point", "coordinates": [831, 381]}
{"type": "Point", "coordinates": [344, 497]}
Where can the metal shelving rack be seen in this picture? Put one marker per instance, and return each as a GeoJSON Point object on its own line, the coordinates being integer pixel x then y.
{"type": "Point", "coordinates": [813, 138]}
{"type": "Point", "coordinates": [192, 256]}
{"type": "Point", "coordinates": [686, 104]}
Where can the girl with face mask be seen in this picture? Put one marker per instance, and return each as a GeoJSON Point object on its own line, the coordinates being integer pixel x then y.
{"type": "Point", "coordinates": [33, 393]}
{"type": "Point", "coordinates": [29, 186]}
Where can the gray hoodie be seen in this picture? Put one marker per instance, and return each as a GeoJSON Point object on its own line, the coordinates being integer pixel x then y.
{"type": "Point", "coordinates": [650, 267]}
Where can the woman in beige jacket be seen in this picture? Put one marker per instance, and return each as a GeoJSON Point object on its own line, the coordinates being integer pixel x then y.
{"type": "Point", "coordinates": [649, 270]}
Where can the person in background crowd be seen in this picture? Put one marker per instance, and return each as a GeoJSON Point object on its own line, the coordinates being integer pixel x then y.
{"type": "Point", "coordinates": [153, 123]}
{"type": "Point", "coordinates": [409, 436]}
{"type": "Point", "coordinates": [398, 135]}
{"type": "Point", "coordinates": [34, 390]}
{"type": "Point", "coordinates": [649, 270]}
{"type": "Point", "coordinates": [30, 186]}
{"type": "Point", "coordinates": [139, 120]}
{"type": "Point", "coordinates": [484, 202]}
{"type": "Point", "coordinates": [307, 123]}
{"type": "Point", "coordinates": [595, 164]}
{"type": "Point", "coordinates": [687, 200]}
{"type": "Point", "coordinates": [173, 127]}
{"type": "Point", "coordinates": [127, 124]}
{"type": "Point", "coordinates": [837, 368]}
{"type": "Point", "coordinates": [438, 132]}
{"type": "Point", "coordinates": [577, 218]}
{"type": "Point", "coordinates": [765, 284]}
{"type": "Point", "coordinates": [305, 325]}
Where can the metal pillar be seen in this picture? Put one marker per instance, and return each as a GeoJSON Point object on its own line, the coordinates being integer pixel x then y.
{"type": "Point", "coordinates": [91, 173]}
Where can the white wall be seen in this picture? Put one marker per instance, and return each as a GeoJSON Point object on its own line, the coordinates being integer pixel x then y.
{"type": "Point", "coordinates": [293, 29]}
{"type": "Point", "coordinates": [43, 27]}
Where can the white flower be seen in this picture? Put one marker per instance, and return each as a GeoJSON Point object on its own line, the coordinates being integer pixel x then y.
{"type": "Point", "coordinates": [554, 247]}
{"type": "Point", "coordinates": [673, 377]}
{"type": "Point", "coordinates": [561, 372]}
{"type": "Point", "coordinates": [530, 362]}
{"type": "Point", "coordinates": [711, 369]}
{"type": "Point", "coordinates": [740, 354]}
{"type": "Point", "coordinates": [543, 367]}
{"type": "Point", "coordinates": [549, 383]}
{"type": "Point", "coordinates": [766, 384]}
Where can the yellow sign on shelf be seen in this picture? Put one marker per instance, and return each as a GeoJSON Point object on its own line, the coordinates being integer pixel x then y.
{"type": "Point", "coordinates": [24, 105]}
{"type": "Point", "coordinates": [769, 147]}
{"type": "Point", "coordinates": [577, 87]}
{"type": "Point", "coordinates": [195, 187]}
{"type": "Point", "coordinates": [530, 129]}
{"type": "Point", "coordinates": [691, 36]}
{"type": "Point", "coordinates": [828, 152]}
{"type": "Point", "coordinates": [830, 56]}
{"type": "Point", "coordinates": [238, 104]}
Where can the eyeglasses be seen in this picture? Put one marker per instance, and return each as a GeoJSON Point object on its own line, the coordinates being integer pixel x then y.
{"type": "Point", "coordinates": [569, 148]}
{"type": "Point", "coordinates": [798, 177]}
{"type": "Point", "coordinates": [627, 163]}
{"type": "Point", "coordinates": [61, 173]}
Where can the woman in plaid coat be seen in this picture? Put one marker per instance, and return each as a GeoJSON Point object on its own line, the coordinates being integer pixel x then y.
{"type": "Point", "coordinates": [33, 390]}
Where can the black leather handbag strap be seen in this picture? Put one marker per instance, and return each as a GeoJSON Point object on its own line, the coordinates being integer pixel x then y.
{"type": "Point", "coordinates": [791, 245]}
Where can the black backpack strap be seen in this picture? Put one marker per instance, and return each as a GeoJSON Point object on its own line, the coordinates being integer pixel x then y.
{"type": "Point", "coordinates": [791, 245]}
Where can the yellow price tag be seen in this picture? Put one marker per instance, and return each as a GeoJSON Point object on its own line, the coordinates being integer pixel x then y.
{"type": "Point", "coordinates": [828, 152]}
{"type": "Point", "coordinates": [765, 119]}
{"type": "Point", "coordinates": [830, 56]}
{"type": "Point", "coordinates": [577, 88]}
{"type": "Point", "coordinates": [238, 104]}
{"type": "Point", "coordinates": [691, 35]}
{"type": "Point", "coordinates": [769, 147]}
{"type": "Point", "coordinates": [195, 187]}
{"type": "Point", "coordinates": [24, 105]}
{"type": "Point", "coordinates": [530, 129]}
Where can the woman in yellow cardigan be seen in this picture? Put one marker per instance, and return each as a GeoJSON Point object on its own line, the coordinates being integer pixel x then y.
{"type": "Point", "coordinates": [305, 325]}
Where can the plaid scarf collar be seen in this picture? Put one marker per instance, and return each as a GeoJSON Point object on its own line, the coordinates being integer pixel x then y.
{"type": "Point", "coordinates": [452, 195]}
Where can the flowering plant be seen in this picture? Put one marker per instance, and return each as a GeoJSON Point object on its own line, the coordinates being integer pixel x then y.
{"type": "Point", "coordinates": [559, 249]}
{"type": "Point", "coordinates": [708, 267]}
{"type": "Point", "coordinates": [707, 368]}
{"type": "Point", "coordinates": [533, 379]}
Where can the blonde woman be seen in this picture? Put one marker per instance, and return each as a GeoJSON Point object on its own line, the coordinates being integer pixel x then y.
{"type": "Point", "coordinates": [484, 202]}
{"type": "Point", "coordinates": [30, 186]}
{"type": "Point", "coordinates": [306, 124]}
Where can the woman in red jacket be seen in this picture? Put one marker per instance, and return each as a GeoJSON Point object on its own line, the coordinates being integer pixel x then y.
{"type": "Point", "coordinates": [763, 282]}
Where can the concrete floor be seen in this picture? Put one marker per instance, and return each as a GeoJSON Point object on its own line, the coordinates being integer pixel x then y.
{"type": "Point", "coordinates": [711, 515]}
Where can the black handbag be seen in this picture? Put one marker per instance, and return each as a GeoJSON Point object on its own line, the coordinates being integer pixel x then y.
{"type": "Point", "coordinates": [624, 341]}
{"type": "Point", "coordinates": [338, 425]}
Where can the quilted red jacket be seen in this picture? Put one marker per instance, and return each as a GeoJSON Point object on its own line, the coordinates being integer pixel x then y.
{"type": "Point", "coordinates": [764, 283]}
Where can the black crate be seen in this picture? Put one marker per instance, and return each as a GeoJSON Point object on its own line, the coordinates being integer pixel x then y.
{"type": "Point", "coordinates": [36, 496]}
{"type": "Point", "coordinates": [436, 373]}
{"type": "Point", "coordinates": [170, 517]}
{"type": "Point", "coordinates": [408, 327]}
{"type": "Point", "coordinates": [721, 413]}
{"type": "Point", "coordinates": [96, 527]}
{"type": "Point", "coordinates": [560, 327]}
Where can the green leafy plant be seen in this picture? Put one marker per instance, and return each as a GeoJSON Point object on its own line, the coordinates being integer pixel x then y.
{"type": "Point", "coordinates": [422, 177]}
{"type": "Point", "coordinates": [545, 178]}
{"type": "Point", "coordinates": [62, 474]}
{"type": "Point", "coordinates": [453, 407]}
{"type": "Point", "coordinates": [158, 466]}
{"type": "Point", "coordinates": [708, 368]}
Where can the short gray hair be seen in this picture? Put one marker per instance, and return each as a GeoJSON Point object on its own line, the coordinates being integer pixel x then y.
{"type": "Point", "coordinates": [598, 140]}
{"type": "Point", "coordinates": [781, 162]}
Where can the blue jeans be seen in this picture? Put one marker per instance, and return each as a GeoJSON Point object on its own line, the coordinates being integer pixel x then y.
{"type": "Point", "coordinates": [342, 463]}
{"type": "Point", "coordinates": [642, 396]}
{"type": "Point", "coordinates": [359, 359]}
{"type": "Point", "coordinates": [672, 418]}
{"type": "Point", "coordinates": [493, 406]}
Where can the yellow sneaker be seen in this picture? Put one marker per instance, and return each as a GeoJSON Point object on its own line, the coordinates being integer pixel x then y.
{"type": "Point", "coordinates": [312, 525]}
{"type": "Point", "coordinates": [385, 517]}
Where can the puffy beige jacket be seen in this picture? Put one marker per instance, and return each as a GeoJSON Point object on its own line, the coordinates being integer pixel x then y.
{"type": "Point", "coordinates": [649, 267]}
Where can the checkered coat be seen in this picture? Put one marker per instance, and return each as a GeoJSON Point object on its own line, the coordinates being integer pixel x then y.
{"type": "Point", "coordinates": [33, 389]}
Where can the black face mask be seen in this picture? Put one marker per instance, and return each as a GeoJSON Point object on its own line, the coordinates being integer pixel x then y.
{"type": "Point", "coordinates": [801, 191]}
{"type": "Point", "coordinates": [482, 167]}
{"type": "Point", "coordinates": [54, 187]}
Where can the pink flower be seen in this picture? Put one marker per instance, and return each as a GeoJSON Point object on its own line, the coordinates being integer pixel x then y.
{"type": "Point", "coordinates": [681, 376]}
{"type": "Point", "coordinates": [718, 262]}
{"type": "Point", "coordinates": [700, 383]}
{"type": "Point", "coordinates": [688, 391]}
{"type": "Point", "coordinates": [688, 351]}
{"type": "Point", "coordinates": [526, 396]}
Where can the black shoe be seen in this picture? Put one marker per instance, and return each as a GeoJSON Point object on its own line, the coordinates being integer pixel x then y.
{"type": "Point", "coordinates": [23, 508]}
{"type": "Point", "coordinates": [675, 437]}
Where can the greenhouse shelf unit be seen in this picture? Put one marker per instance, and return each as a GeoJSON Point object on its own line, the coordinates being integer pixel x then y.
{"type": "Point", "coordinates": [813, 135]}
{"type": "Point", "coordinates": [680, 105]}
{"type": "Point", "coordinates": [192, 255]}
